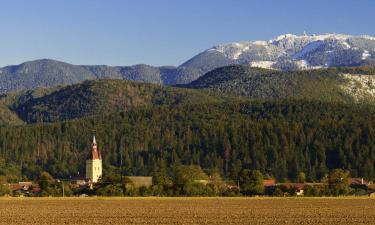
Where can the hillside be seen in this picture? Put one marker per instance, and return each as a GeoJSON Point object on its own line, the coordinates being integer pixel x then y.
{"type": "Point", "coordinates": [8, 118]}
{"type": "Point", "coordinates": [97, 98]}
{"type": "Point", "coordinates": [279, 138]}
{"type": "Point", "coordinates": [332, 85]}
{"type": "Point", "coordinates": [50, 73]}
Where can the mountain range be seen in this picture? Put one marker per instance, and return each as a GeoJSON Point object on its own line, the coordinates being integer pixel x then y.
{"type": "Point", "coordinates": [290, 52]}
{"type": "Point", "coordinates": [223, 85]}
{"type": "Point", "coordinates": [50, 73]}
{"type": "Point", "coordinates": [233, 117]}
{"type": "Point", "coordinates": [286, 53]}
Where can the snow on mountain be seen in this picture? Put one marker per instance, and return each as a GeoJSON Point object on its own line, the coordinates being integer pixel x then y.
{"type": "Point", "coordinates": [308, 48]}
{"type": "Point", "coordinates": [366, 55]}
{"type": "Point", "coordinates": [354, 81]}
{"type": "Point", "coordinates": [290, 52]}
{"type": "Point", "coordinates": [263, 64]}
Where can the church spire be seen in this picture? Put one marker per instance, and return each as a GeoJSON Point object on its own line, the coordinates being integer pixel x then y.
{"type": "Point", "coordinates": [95, 154]}
{"type": "Point", "coordinates": [94, 140]}
{"type": "Point", "coordinates": [94, 163]}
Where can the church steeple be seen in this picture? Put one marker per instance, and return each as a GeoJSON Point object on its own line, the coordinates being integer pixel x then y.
{"type": "Point", "coordinates": [94, 163]}
{"type": "Point", "coordinates": [95, 154]}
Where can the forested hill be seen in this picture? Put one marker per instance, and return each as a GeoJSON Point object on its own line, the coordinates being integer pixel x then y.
{"type": "Point", "coordinates": [280, 138]}
{"type": "Point", "coordinates": [332, 85]}
{"type": "Point", "coordinates": [97, 97]}
{"type": "Point", "coordinates": [143, 124]}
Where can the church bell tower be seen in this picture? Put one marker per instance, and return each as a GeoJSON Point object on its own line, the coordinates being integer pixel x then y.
{"type": "Point", "coordinates": [94, 164]}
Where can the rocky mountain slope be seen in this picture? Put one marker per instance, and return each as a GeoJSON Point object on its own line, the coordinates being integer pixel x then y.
{"type": "Point", "coordinates": [290, 52]}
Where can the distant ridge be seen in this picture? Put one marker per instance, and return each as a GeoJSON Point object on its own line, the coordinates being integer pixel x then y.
{"type": "Point", "coordinates": [287, 53]}
{"type": "Point", "coordinates": [50, 73]}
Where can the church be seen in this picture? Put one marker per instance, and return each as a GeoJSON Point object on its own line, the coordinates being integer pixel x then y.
{"type": "Point", "coordinates": [94, 169]}
{"type": "Point", "coordinates": [94, 166]}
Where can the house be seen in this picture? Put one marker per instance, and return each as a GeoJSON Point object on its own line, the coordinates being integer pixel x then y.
{"type": "Point", "coordinates": [24, 189]}
{"type": "Point", "coordinates": [269, 186]}
{"type": "Point", "coordinates": [299, 188]}
{"type": "Point", "coordinates": [371, 187]}
{"type": "Point", "coordinates": [77, 182]}
{"type": "Point", "coordinates": [358, 183]}
{"type": "Point", "coordinates": [269, 183]}
{"type": "Point", "coordinates": [138, 181]}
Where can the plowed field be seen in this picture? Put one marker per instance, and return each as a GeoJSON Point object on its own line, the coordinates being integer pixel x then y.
{"type": "Point", "coordinates": [107, 211]}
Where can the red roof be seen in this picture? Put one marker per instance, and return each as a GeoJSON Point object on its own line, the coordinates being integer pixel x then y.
{"type": "Point", "coordinates": [36, 189]}
{"type": "Point", "coordinates": [357, 181]}
{"type": "Point", "coordinates": [15, 187]}
{"type": "Point", "coordinates": [371, 187]}
{"type": "Point", "coordinates": [21, 186]}
{"type": "Point", "coordinates": [269, 182]}
{"type": "Point", "coordinates": [95, 154]}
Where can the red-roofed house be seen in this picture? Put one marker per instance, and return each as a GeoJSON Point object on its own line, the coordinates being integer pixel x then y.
{"type": "Point", "coordinates": [269, 183]}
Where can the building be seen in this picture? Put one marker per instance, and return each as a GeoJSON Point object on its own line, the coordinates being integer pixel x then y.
{"type": "Point", "coordinates": [94, 164]}
{"type": "Point", "coordinates": [267, 183]}
{"type": "Point", "coordinates": [77, 182]}
{"type": "Point", "coordinates": [139, 181]}
{"type": "Point", "coordinates": [22, 189]}
{"type": "Point", "coordinates": [299, 188]}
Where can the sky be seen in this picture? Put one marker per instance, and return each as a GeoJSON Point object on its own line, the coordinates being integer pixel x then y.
{"type": "Point", "coordinates": [162, 32]}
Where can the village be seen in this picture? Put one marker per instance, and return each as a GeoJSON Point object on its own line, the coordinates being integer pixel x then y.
{"type": "Point", "coordinates": [84, 186]}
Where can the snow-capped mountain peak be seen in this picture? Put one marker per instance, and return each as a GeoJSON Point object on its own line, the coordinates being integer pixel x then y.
{"type": "Point", "coordinates": [290, 51]}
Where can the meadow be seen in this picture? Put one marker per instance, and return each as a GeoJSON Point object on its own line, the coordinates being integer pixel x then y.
{"type": "Point", "coordinates": [187, 211]}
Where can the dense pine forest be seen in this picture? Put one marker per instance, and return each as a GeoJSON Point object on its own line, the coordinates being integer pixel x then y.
{"type": "Point", "coordinates": [286, 124]}
{"type": "Point", "coordinates": [280, 138]}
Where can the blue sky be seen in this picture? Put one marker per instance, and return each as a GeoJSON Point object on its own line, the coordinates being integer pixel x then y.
{"type": "Point", "coordinates": [162, 32]}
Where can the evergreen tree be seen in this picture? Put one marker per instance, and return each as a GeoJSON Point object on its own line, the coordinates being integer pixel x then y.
{"type": "Point", "coordinates": [251, 182]}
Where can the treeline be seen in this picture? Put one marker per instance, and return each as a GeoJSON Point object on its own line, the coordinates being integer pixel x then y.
{"type": "Point", "coordinates": [278, 138]}
{"type": "Point", "coordinates": [191, 180]}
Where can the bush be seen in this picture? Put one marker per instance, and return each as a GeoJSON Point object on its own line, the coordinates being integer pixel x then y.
{"type": "Point", "coordinates": [4, 189]}
{"type": "Point", "coordinates": [360, 192]}
{"type": "Point", "coordinates": [196, 189]}
{"type": "Point", "coordinates": [110, 190]}
{"type": "Point", "coordinates": [278, 192]}
{"type": "Point", "coordinates": [314, 191]}
{"type": "Point", "coordinates": [144, 191]}
{"type": "Point", "coordinates": [251, 182]}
